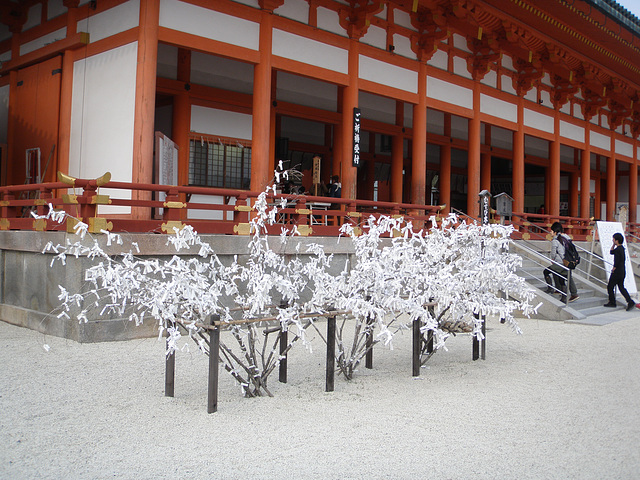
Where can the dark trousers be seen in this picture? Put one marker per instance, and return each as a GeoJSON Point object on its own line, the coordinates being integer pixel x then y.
{"type": "Point", "coordinates": [617, 280]}
{"type": "Point", "coordinates": [558, 275]}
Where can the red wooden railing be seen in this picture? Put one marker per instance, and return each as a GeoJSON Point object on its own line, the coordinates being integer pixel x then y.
{"type": "Point", "coordinates": [82, 199]}
{"type": "Point", "coordinates": [313, 215]}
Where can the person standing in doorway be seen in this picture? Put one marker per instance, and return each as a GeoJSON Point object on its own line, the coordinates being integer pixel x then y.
{"type": "Point", "coordinates": [618, 273]}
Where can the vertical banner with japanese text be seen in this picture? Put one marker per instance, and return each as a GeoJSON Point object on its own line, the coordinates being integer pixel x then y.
{"type": "Point", "coordinates": [356, 137]}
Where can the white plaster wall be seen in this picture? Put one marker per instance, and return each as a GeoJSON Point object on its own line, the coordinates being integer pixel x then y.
{"type": "Point", "coordinates": [402, 18]}
{"type": "Point", "coordinates": [43, 40]}
{"type": "Point", "coordinates": [306, 91]}
{"type": "Point", "coordinates": [383, 13]}
{"type": "Point", "coordinates": [330, 21]}
{"type": "Point", "coordinates": [4, 32]}
{"type": "Point", "coordinates": [33, 17]}
{"type": "Point", "coordinates": [460, 42]}
{"type": "Point", "coordinates": [460, 67]}
{"type": "Point", "coordinates": [402, 46]}
{"type": "Point", "coordinates": [624, 148]}
{"type": "Point", "coordinates": [251, 3]}
{"type": "Point", "coordinates": [376, 37]}
{"type": "Point", "coordinates": [212, 121]}
{"type": "Point", "coordinates": [220, 72]}
{"type": "Point", "coordinates": [206, 23]}
{"type": "Point", "coordinates": [55, 8]}
{"type": "Point", "coordinates": [5, 56]}
{"type": "Point", "coordinates": [490, 79]}
{"type": "Point", "coordinates": [167, 61]}
{"type": "Point", "coordinates": [375, 107]}
{"type": "Point", "coordinates": [310, 51]}
{"type": "Point", "coordinates": [577, 111]}
{"type": "Point", "coordinates": [4, 112]}
{"type": "Point", "coordinates": [294, 9]}
{"type": "Point", "coordinates": [440, 59]}
{"type": "Point", "coordinates": [507, 62]}
{"type": "Point", "coordinates": [537, 120]}
{"type": "Point", "coordinates": [532, 95]}
{"type": "Point", "coordinates": [498, 108]}
{"type": "Point", "coordinates": [387, 74]}
{"type": "Point", "coordinates": [571, 131]}
{"type": "Point", "coordinates": [507, 84]}
{"type": "Point", "coordinates": [102, 118]}
{"type": "Point", "coordinates": [601, 141]}
{"type": "Point", "coordinates": [447, 92]}
{"type": "Point", "coordinates": [115, 20]}
{"type": "Point", "coordinates": [546, 99]}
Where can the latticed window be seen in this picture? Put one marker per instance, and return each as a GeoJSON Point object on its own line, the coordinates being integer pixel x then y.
{"type": "Point", "coordinates": [216, 165]}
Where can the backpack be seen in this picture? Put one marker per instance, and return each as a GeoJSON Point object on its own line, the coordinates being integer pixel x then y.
{"type": "Point", "coordinates": [571, 256]}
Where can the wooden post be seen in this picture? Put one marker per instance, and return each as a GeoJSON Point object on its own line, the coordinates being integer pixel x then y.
{"type": "Point", "coordinates": [416, 348]}
{"type": "Point", "coordinates": [214, 355]}
{"type": "Point", "coordinates": [284, 342]}
{"type": "Point", "coordinates": [484, 340]}
{"type": "Point", "coordinates": [331, 353]}
{"type": "Point", "coordinates": [369, 358]}
{"type": "Point", "coordinates": [475, 348]}
{"type": "Point", "coordinates": [170, 369]}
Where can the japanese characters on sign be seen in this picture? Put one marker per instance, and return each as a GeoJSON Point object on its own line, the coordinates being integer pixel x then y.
{"type": "Point", "coordinates": [356, 137]}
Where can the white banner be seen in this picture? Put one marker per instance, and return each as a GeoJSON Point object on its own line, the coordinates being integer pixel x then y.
{"type": "Point", "coordinates": [605, 234]}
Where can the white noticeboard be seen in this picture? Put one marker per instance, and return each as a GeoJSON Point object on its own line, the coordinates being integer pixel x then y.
{"type": "Point", "coordinates": [166, 164]}
{"type": "Point", "coordinates": [605, 234]}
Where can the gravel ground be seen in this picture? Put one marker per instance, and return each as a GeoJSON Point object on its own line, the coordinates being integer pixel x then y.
{"type": "Point", "coordinates": [561, 401]}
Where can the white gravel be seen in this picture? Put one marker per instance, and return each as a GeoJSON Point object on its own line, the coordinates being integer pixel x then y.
{"type": "Point", "coordinates": [561, 401]}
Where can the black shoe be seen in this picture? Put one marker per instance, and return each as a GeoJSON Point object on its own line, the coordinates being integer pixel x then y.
{"type": "Point", "coordinates": [609, 304]}
{"type": "Point", "coordinates": [549, 291]}
{"type": "Point", "coordinates": [631, 306]}
{"type": "Point", "coordinates": [573, 298]}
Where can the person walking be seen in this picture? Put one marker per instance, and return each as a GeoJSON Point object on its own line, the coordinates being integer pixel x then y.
{"type": "Point", "coordinates": [556, 271]}
{"type": "Point", "coordinates": [618, 273]}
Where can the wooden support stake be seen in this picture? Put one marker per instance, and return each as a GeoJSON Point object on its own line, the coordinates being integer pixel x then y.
{"type": "Point", "coordinates": [416, 348]}
{"type": "Point", "coordinates": [369, 358]}
{"type": "Point", "coordinates": [170, 369]}
{"type": "Point", "coordinates": [484, 340]}
{"type": "Point", "coordinates": [214, 356]}
{"type": "Point", "coordinates": [429, 341]}
{"type": "Point", "coordinates": [284, 342]}
{"type": "Point", "coordinates": [475, 349]}
{"type": "Point", "coordinates": [331, 354]}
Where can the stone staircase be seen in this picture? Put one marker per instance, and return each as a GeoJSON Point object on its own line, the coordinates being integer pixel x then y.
{"type": "Point", "coordinates": [590, 281]}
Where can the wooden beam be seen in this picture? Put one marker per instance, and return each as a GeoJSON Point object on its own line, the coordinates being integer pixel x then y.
{"type": "Point", "coordinates": [78, 40]}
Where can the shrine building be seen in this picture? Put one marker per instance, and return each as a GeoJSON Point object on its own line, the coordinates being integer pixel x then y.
{"type": "Point", "coordinates": [424, 102]}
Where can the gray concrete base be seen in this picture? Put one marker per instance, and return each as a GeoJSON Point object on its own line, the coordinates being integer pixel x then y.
{"type": "Point", "coordinates": [101, 330]}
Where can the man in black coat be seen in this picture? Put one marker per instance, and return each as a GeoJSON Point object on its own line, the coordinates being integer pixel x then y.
{"type": "Point", "coordinates": [618, 273]}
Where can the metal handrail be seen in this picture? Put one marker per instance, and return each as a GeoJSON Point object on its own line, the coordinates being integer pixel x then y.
{"type": "Point", "coordinates": [589, 260]}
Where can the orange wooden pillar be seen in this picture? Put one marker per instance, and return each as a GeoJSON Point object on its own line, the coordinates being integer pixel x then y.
{"type": "Point", "coordinates": [66, 91]}
{"type": "Point", "coordinates": [397, 157]}
{"type": "Point", "coordinates": [419, 145]}
{"type": "Point", "coordinates": [445, 166]}
{"type": "Point", "coordinates": [633, 185]}
{"type": "Point", "coordinates": [485, 162]}
{"type": "Point", "coordinates": [611, 186]}
{"type": "Point", "coordinates": [348, 173]}
{"type": "Point", "coordinates": [517, 173]}
{"type": "Point", "coordinates": [554, 177]}
{"type": "Point", "coordinates": [473, 160]}
{"type": "Point", "coordinates": [145, 103]}
{"type": "Point", "coordinates": [181, 121]}
{"type": "Point", "coordinates": [633, 192]}
{"type": "Point", "coordinates": [574, 181]}
{"type": "Point", "coordinates": [554, 169]}
{"type": "Point", "coordinates": [261, 114]}
{"type": "Point", "coordinates": [585, 176]}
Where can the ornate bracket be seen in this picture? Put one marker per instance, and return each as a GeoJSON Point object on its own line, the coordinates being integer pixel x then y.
{"type": "Point", "coordinates": [431, 25]}
{"type": "Point", "coordinates": [356, 20]}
